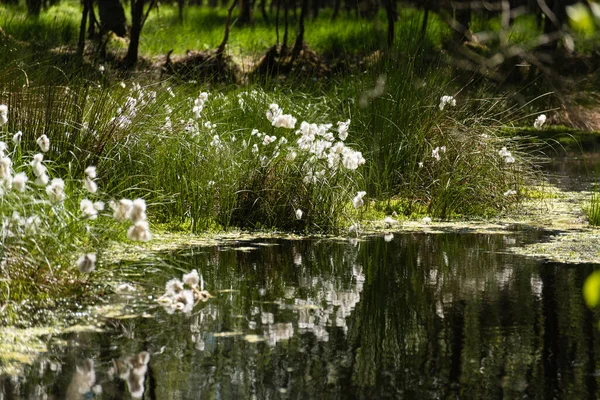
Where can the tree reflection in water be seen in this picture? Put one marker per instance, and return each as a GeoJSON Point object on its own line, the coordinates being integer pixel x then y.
{"type": "Point", "coordinates": [417, 315]}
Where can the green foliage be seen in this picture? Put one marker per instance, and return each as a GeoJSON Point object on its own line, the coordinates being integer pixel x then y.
{"type": "Point", "coordinates": [591, 289]}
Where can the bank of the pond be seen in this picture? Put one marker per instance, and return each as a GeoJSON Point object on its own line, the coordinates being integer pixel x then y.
{"type": "Point", "coordinates": [545, 208]}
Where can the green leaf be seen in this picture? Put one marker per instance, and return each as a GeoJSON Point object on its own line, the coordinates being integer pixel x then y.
{"type": "Point", "coordinates": [591, 289]}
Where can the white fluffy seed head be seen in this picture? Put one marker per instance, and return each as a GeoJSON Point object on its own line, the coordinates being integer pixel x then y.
{"type": "Point", "coordinates": [86, 263]}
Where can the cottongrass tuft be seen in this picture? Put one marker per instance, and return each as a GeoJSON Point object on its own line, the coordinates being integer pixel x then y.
{"type": "Point", "coordinates": [426, 220]}
{"type": "Point", "coordinates": [56, 190]}
{"type": "Point", "coordinates": [140, 231]}
{"type": "Point", "coordinates": [44, 143]}
{"type": "Point", "coordinates": [121, 209]}
{"type": "Point", "coordinates": [298, 214]}
{"type": "Point", "coordinates": [389, 222]}
{"type": "Point", "coordinates": [17, 138]}
{"type": "Point", "coordinates": [3, 114]}
{"type": "Point", "coordinates": [192, 279]}
{"type": "Point", "coordinates": [447, 100]}
{"type": "Point", "coordinates": [90, 185]}
{"type": "Point", "coordinates": [358, 201]}
{"type": "Point", "coordinates": [86, 263]}
{"type": "Point", "coordinates": [137, 212]}
{"type": "Point", "coordinates": [20, 181]}
{"type": "Point", "coordinates": [539, 122]}
{"type": "Point", "coordinates": [87, 209]}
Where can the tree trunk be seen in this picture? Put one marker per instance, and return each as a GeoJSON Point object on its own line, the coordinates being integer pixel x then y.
{"type": "Point", "coordinates": [425, 23]}
{"type": "Point", "coordinates": [221, 48]}
{"type": "Point", "coordinates": [299, 44]}
{"type": "Point", "coordinates": [462, 21]}
{"type": "Point", "coordinates": [316, 5]}
{"type": "Point", "coordinates": [92, 21]}
{"type": "Point", "coordinates": [285, 25]}
{"type": "Point", "coordinates": [263, 10]}
{"type": "Point", "coordinates": [246, 11]}
{"type": "Point", "coordinates": [390, 9]}
{"type": "Point", "coordinates": [84, 18]}
{"type": "Point", "coordinates": [137, 14]}
{"type": "Point", "coordinates": [34, 7]}
{"type": "Point", "coordinates": [336, 9]}
{"type": "Point", "coordinates": [180, 5]}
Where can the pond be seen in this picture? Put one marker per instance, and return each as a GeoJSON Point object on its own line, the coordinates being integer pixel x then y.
{"type": "Point", "coordinates": [406, 315]}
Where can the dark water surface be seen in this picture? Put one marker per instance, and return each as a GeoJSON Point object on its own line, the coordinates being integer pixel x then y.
{"type": "Point", "coordinates": [420, 316]}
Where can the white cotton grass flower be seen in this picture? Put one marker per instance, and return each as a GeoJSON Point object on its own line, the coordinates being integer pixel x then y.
{"type": "Point", "coordinates": [17, 138]}
{"type": "Point", "coordinates": [101, 68]}
{"type": "Point", "coordinates": [447, 100]}
{"type": "Point", "coordinates": [426, 220]}
{"type": "Point", "coordinates": [273, 112]}
{"type": "Point", "coordinates": [125, 289]}
{"type": "Point", "coordinates": [86, 263]}
{"type": "Point", "coordinates": [388, 237]}
{"type": "Point", "coordinates": [90, 172]}
{"type": "Point", "coordinates": [298, 214]}
{"type": "Point", "coordinates": [20, 181]}
{"type": "Point", "coordinates": [435, 153]}
{"type": "Point", "coordinates": [358, 201]}
{"type": "Point", "coordinates": [278, 119]}
{"type": "Point", "coordinates": [38, 168]}
{"type": "Point", "coordinates": [269, 139]}
{"type": "Point", "coordinates": [90, 185]}
{"type": "Point", "coordinates": [3, 149]}
{"type": "Point", "coordinates": [284, 121]}
{"type": "Point", "coordinates": [343, 129]}
{"type": "Point", "coordinates": [121, 209]}
{"type": "Point", "coordinates": [291, 156]}
{"type": "Point", "coordinates": [510, 192]}
{"type": "Point", "coordinates": [42, 180]}
{"type": "Point", "coordinates": [540, 121]}
{"type": "Point", "coordinates": [173, 287]}
{"type": "Point", "coordinates": [352, 159]}
{"type": "Point", "coordinates": [87, 209]}
{"type": "Point", "coordinates": [140, 231]}
{"type": "Point", "coordinates": [137, 212]}
{"type": "Point", "coordinates": [5, 169]}
{"type": "Point", "coordinates": [192, 279]}
{"type": "Point", "coordinates": [389, 222]}
{"type": "Point", "coordinates": [506, 155]}
{"type": "Point", "coordinates": [44, 143]}
{"type": "Point", "coordinates": [56, 190]}
{"type": "Point", "coordinates": [3, 114]}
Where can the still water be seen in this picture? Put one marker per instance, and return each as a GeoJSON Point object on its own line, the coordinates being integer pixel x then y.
{"type": "Point", "coordinates": [409, 316]}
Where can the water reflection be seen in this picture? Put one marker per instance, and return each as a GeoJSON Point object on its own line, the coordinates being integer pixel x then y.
{"type": "Point", "coordinates": [415, 315]}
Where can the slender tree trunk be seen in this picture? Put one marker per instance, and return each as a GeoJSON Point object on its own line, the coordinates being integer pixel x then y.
{"type": "Point", "coordinates": [462, 20]}
{"type": "Point", "coordinates": [221, 48]}
{"type": "Point", "coordinates": [263, 10]}
{"type": "Point", "coordinates": [138, 18]}
{"type": "Point", "coordinates": [285, 25]}
{"type": "Point", "coordinates": [299, 44]}
{"type": "Point", "coordinates": [180, 5]}
{"type": "Point", "coordinates": [277, 20]}
{"type": "Point", "coordinates": [82, 26]}
{"type": "Point", "coordinates": [92, 21]}
{"type": "Point", "coordinates": [336, 9]}
{"type": "Point", "coordinates": [137, 12]}
{"type": "Point", "coordinates": [425, 23]}
{"type": "Point", "coordinates": [316, 5]}
{"type": "Point", "coordinates": [246, 11]}
{"type": "Point", "coordinates": [390, 9]}
{"type": "Point", "coordinates": [34, 7]}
